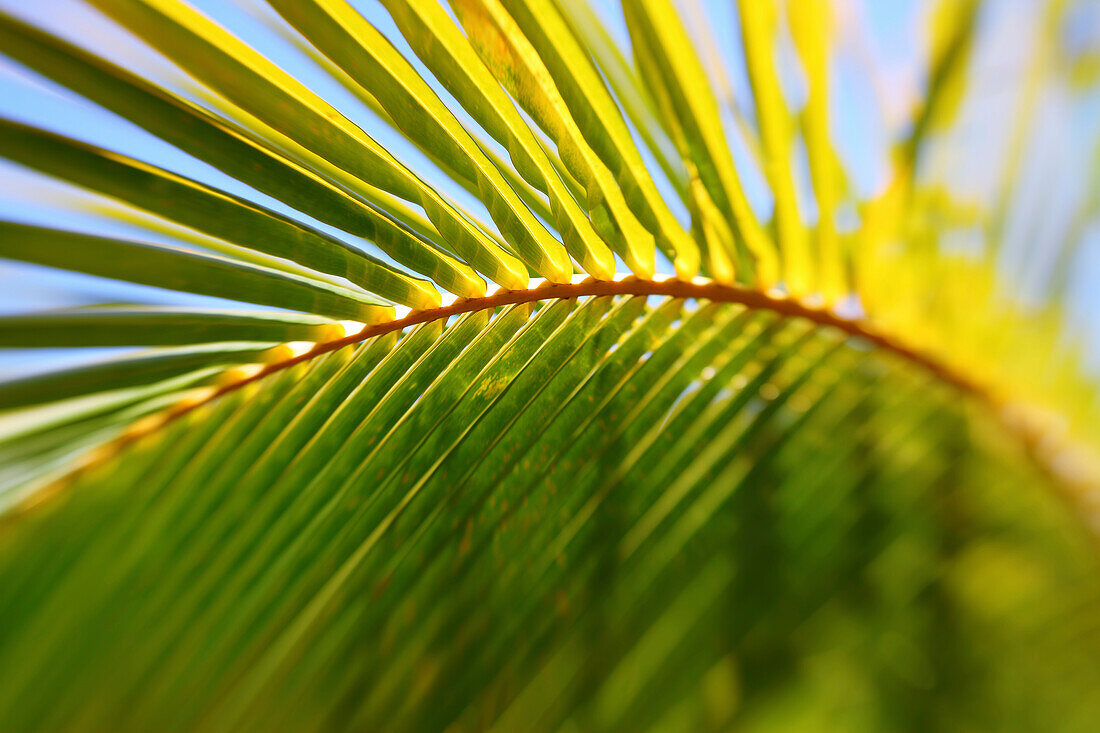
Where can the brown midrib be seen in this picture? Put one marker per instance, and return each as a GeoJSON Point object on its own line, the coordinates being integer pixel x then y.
{"type": "Point", "coordinates": [698, 288]}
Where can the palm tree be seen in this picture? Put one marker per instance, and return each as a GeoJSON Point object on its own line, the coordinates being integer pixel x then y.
{"type": "Point", "coordinates": [641, 414]}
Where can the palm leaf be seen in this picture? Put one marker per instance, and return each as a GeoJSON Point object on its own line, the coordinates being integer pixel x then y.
{"type": "Point", "coordinates": [782, 471]}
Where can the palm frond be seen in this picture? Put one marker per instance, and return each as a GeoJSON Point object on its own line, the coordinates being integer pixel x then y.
{"type": "Point", "coordinates": [558, 411]}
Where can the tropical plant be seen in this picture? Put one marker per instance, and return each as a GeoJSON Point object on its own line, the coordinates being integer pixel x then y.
{"type": "Point", "coordinates": [641, 416]}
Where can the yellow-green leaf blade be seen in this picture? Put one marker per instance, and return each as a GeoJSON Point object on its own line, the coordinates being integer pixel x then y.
{"type": "Point", "coordinates": [503, 48]}
{"type": "Point", "coordinates": [672, 69]}
{"type": "Point", "coordinates": [441, 45]}
{"type": "Point", "coordinates": [353, 44]}
{"type": "Point", "coordinates": [759, 25]}
{"type": "Point", "coordinates": [245, 77]}
{"type": "Point", "coordinates": [203, 208]}
{"type": "Point", "coordinates": [600, 121]}
{"type": "Point", "coordinates": [106, 326]}
{"type": "Point", "coordinates": [177, 269]}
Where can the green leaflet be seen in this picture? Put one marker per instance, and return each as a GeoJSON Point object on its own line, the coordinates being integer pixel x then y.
{"type": "Point", "coordinates": [449, 272]}
{"type": "Point", "coordinates": [121, 373]}
{"type": "Point", "coordinates": [115, 211]}
{"type": "Point", "coordinates": [335, 401]}
{"type": "Point", "coordinates": [457, 403]}
{"type": "Point", "coordinates": [572, 530]}
{"type": "Point", "coordinates": [293, 540]}
{"type": "Point", "coordinates": [215, 141]}
{"type": "Point", "coordinates": [146, 326]}
{"type": "Point", "coordinates": [665, 459]}
{"type": "Point", "coordinates": [178, 269]}
{"type": "Point", "coordinates": [43, 444]}
{"type": "Point", "coordinates": [246, 78]}
{"type": "Point", "coordinates": [213, 212]}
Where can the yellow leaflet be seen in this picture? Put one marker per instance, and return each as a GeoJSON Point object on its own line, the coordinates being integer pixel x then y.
{"type": "Point", "coordinates": [758, 29]}
{"type": "Point", "coordinates": [809, 22]}
{"type": "Point", "coordinates": [358, 48]}
{"type": "Point", "coordinates": [600, 120]}
{"type": "Point", "coordinates": [953, 24]}
{"type": "Point", "coordinates": [516, 64]}
{"type": "Point", "coordinates": [638, 104]}
{"type": "Point", "coordinates": [672, 69]}
{"type": "Point", "coordinates": [711, 227]}
{"type": "Point", "coordinates": [447, 52]}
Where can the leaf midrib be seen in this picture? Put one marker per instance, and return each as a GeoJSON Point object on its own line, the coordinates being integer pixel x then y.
{"type": "Point", "coordinates": [625, 285]}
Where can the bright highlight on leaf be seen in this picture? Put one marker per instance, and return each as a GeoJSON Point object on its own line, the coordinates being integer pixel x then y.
{"type": "Point", "coordinates": [448, 365]}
